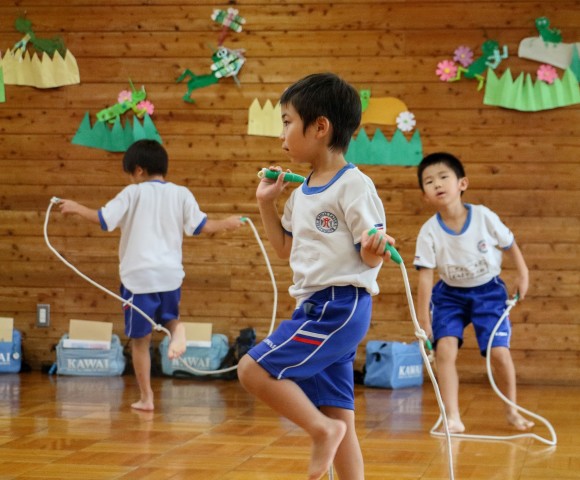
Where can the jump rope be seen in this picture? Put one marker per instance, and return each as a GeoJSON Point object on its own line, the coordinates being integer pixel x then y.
{"type": "Point", "coordinates": [424, 343]}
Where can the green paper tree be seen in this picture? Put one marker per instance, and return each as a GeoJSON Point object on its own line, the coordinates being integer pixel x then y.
{"type": "Point", "coordinates": [575, 65]}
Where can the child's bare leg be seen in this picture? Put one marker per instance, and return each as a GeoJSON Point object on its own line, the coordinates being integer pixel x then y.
{"type": "Point", "coordinates": [288, 399]}
{"type": "Point", "coordinates": [348, 461]}
{"type": "Point", "coordinates": [503, 366]}
{"type": "Point", "coordinates": [446, 356]}
{"type": "Point", "coordinates": [177, 345]}
{"type": "Point", "coordinates": [142, 366]}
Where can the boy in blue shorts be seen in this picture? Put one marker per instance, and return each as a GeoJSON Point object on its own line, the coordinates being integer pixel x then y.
{"type": "Point", "coordinates": [464, 243]}
{"type": "Point", "coordinates": [304, 370]}
{"type": "Point", "coordinates": [153, 216]}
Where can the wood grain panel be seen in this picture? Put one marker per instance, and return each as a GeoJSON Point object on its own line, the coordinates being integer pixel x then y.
{"type": "Point", "coordinates": [522, 165]}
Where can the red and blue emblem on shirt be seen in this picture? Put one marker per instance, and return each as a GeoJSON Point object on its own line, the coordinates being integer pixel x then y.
{"type": "Point", "coordinates": [326, 222]}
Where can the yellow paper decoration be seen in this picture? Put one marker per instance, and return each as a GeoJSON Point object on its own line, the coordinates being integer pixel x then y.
{"type": "Point", "coordinates": [266, 121]}
{"type": "Point", "coordinates": [40, 73]}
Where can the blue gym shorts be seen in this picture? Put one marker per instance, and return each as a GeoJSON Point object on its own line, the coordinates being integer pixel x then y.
{"type": "Point", "coordinates": [161, 307]}
{"type": "Point", "coordinates": [454, 308]}
{"type": "Point", "coordinates": [317, 346]}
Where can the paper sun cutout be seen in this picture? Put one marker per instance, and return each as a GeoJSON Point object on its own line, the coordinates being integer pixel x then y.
{"type": "Point", "coordinates": [525, 95]}
{"type": "Point", "coordinates": [463, 55]}
{"type": "Point", "coordinates": [380, 110]}
{"type": "Point", "coordinates": [446, 70]}
{"type": "Point", "coordinates": [380, 151]}
{"type": "Point", "coordinates": [547, 74]}
{"type": "Point", "coordinates": [117, 138]}
{"type": "Point", "coordinates": [266, 121]}
{"type": "Point", "coordinates": [406, 121]}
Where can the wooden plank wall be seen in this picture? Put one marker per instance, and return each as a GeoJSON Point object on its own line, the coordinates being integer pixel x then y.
{"type": "Point", "coordinates": [525, 166]}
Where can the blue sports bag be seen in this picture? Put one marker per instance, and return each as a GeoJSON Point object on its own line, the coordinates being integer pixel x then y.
{"type": "Point", "coordinates": [393, 364]}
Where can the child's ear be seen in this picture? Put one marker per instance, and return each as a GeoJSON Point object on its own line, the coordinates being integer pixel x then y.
{"type": "Point", "coordinates": [322, 125]}
{"type": "Point", "coordinates": [463, 184]}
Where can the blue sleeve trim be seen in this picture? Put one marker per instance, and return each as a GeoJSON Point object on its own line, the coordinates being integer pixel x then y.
{"type": "Point", "coordinates": [102, 221]}
{"type": "Point", "coordinates": [357, 246]}
{"type": "Point", "coordinates": [199, 228]}
{"type": "Point", "coordinates": [509, 246]}
{"type": "Point", "coordinates": [287, 232]}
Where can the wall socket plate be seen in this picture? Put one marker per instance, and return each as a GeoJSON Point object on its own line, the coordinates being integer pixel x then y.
{"type": "Point", "coordinates": [43, 315]}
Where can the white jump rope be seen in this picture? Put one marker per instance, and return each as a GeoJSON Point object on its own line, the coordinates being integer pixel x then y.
{"type": "Point", "coordinates": [510, 304]}
{"type": "Point", "coordinates": [155, 325]}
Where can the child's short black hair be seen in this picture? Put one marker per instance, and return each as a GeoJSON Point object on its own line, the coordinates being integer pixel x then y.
{"type": "Point", "coordinates": [147, 154]}
{"type": "Point", "coordinates": [327, 95]}
{"type": "Point", "coordinates": [445, 158]}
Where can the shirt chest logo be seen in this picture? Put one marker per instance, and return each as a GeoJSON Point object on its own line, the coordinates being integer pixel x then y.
{"type": "Point", "coordinates": [482, 246]}
{"type": "Point", "coordinates": [326, 222]}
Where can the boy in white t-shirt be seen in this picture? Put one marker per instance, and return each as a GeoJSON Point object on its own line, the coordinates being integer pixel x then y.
{"type": "Point", "coordinates": [304, 370]}
{"type": "Point", "coordinates": [153, 216]}
{"type": "Point", "coordinates": [464, 243]}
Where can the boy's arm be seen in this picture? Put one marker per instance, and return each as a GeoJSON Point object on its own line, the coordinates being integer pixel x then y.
{"type": "Point", "coordinates": [278, 238]}
{"type": "Point", "coordinates": [70, 207]}
{"type": "Point", "coordinates": [522, 281]}
{"type": "Point", "coordinates": [214, 226]}
{"type": "Point", "coordinates": [425, 286]}
{"type": "Point", "coordinates": [267, 195]}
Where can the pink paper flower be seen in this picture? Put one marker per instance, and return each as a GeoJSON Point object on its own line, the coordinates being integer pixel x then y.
{"type": "Point", "coordinates": [547, 73]}
{"type": "Point", "coordinates": [125, 96]}
{"type": "Point", "coordinates": [446, 70]}
{"type": "Point", "coordinates": [145, 107]}
{"type": "Point", "coordinates": [463, 55]}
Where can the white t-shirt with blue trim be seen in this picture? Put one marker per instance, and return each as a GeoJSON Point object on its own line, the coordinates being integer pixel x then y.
{"type": "Point", "coordinates": [326, 224]}
{"type": "Point", "coordinates": [152, 216]}
{"type": "Point", "coordinates": [469, 258]}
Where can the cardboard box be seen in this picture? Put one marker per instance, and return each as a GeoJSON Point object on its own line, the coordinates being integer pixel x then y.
{"type": "Point", "coordinates": [6, 327]}
{"type": "Point", "coordinates": [198, 334]}
{"type": "Point", "coordinates": [88, 334]}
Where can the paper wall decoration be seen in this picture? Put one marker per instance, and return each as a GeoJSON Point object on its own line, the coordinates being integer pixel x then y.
{"type": "Point", "coordinates": [127, 100]}
{"type": "Point", "coordinates": [575, 64]}
{"type": "Point", "coordinates": [230, 21]}
{"type": "Point", "coordinates": [551, 35]}
{"type": "Point", "coordinates": [525, 95]}
{"type": "Point", "coordinates": [226, 63]}
{"type": "Point", "coordinates": [557, 54]}
{"type": "Point", "coordinates": [380, 151]}
{"type": "Point", "coordinates": [2, 93]}
{"type": "Point", "coordinates": [38, 72]}
{"type": "Point", "coordinates": [491, 57]}
{"type": "Point", "coordinates": [380, 110]}
{"type": "Point", "coordinates": [265, 121]}
{"type": "Point", "coordinates": [42, 45]}
{"type": "Point", "coordinates": [116, 138]}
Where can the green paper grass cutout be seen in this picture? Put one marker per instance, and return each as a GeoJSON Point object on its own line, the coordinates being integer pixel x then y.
{"type": "Point", "coordinates": [117, 138]}
{"type": "Point", "coordinates": [525, 95]}
{"type": "Point", "coordinates": [575, 65]}
{"type": "Point", "coordinates": [2, 94]}
{"type": "Point", "coordinates": [380, 151]}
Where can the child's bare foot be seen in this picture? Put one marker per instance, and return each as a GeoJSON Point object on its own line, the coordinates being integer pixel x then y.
{"type": "Point", "coordinates": [455, 425]}
{"type": "Point", "coordinates": [324, 449]}
{"type": "Point", "coordinates": [521, 423]}
{"type": "Point", "coordinates": [146, 405]}
{"type": "Point", "coordinates": [178, 344]}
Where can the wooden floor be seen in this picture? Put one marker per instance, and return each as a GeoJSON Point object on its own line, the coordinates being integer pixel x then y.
{"type": "Point", "coordinates": [83, 428]}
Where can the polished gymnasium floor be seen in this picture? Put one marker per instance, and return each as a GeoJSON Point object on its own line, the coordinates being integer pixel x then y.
{"type": "Point", "coordinates": [83, 428]}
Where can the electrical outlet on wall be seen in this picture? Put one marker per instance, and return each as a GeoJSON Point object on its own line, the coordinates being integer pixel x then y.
{"type": "Point", "coordinates": [43, 315]}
